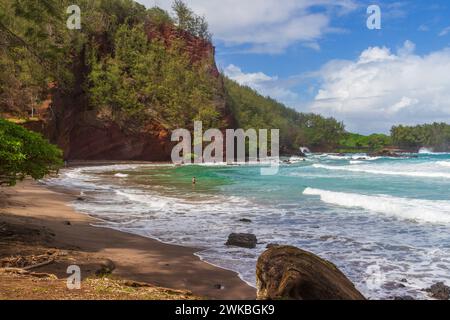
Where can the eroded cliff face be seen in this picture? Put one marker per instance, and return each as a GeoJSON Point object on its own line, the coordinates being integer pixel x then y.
{"type": "Point", "coordinates": [78, 130]}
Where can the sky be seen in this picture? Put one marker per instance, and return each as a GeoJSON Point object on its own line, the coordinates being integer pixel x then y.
{"type": "Point", "coordinates": [319, 56]}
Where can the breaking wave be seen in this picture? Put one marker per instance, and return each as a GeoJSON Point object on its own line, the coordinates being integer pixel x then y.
{"type": "Point", "coordinates": [410, 209]}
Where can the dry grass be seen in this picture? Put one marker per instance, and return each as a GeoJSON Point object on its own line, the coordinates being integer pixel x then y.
{"type": "Point", "coordinates": [16, 286]}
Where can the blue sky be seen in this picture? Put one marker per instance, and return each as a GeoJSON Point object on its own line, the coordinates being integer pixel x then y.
{"type": "Point", "coordinates": [319, 56]}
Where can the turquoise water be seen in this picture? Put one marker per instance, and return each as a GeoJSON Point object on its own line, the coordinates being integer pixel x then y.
{"type": "Point", "coordinates": [385, 222]}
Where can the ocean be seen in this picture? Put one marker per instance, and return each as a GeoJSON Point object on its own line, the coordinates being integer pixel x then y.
{"type": "Point", "coordinates": [385, 222]}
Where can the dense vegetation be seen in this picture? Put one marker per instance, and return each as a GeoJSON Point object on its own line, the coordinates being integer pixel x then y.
{"type": "Point", "coordinates": [24, 153]}
{"type": "Point", "coordinates": [435, 136]}
{"type": "Point", "coordinates": [129, 80]}
{"type": "Point", "coordinates": [352, 142]}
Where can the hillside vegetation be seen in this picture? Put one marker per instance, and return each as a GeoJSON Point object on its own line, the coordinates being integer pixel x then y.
{"type": "Point", "coordinates": [135, 70]}
{"type": "Point", "coordinates": [435, 136]}
{"type": "Point", "coordinates": [130, 80]}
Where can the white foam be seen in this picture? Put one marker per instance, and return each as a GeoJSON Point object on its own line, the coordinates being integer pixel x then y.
{"type": "Point", "coordinates": [443, 163]}
{"type": "Point", "coordinates": [121, 175]}
{"type": "Point", "coordinates": [426, 151]}
{"type": "Point", "coordinates": [423, 174]}
{"type": "Point", "coordinates": [411, 209]}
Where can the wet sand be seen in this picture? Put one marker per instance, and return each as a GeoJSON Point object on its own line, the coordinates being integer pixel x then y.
{"type": "Point", "coordinates": [137, 258]}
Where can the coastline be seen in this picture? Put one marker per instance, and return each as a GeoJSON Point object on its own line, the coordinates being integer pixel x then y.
{"type": "Point", "coordinates": [32, 205]}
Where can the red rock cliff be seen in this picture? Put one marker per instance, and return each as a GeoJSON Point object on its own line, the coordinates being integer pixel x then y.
{"type": "Point", "coordinates": [68, 122]}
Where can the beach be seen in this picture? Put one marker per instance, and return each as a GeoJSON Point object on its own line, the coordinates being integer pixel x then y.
{"type": "Point", "coordinates": [383, 221]}
{"type": "Point", "coordinates": [42, 220]}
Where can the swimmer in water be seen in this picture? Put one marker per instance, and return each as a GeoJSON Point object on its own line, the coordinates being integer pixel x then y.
{"type": "Point", "coordinates": [194, 180]}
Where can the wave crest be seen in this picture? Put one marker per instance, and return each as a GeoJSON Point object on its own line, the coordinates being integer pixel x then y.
{"type": "Point", "coordinates": [411, 209]}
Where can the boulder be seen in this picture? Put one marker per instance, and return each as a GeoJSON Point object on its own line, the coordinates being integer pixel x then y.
{"type": "Point", "coordinates": [288, 273]}
{"type": "Point", "coordinates": [386, 153]}
{"type": "Point", "coordinates": [106, 268]}
{"type": "Point", "coordinates": [439, 291]}
{"type": "Point", "coordinates": [244, 240]}
{"type": "Point", "coordinates": [245, 220]}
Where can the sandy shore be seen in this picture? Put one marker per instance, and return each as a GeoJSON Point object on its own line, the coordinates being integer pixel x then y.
{"type": "Point", "coordinates": [32, 206]}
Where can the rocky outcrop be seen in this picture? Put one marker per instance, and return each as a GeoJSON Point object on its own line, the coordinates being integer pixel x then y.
{"type": "Point", "coordinates": [386, 153]}
{"type": "Point", "coordinates": [439, 291]}
{"type": "Point", "coordinates": [68, 121]}
{"type": "Point", "coordinates": [243, 240]}
{"type": "Point", "coordinates": [285, 272]}
{"type": "Point", "coordinates": [109, 141]}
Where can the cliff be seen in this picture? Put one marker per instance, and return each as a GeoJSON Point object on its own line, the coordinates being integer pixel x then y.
{"type": "Point", "coordinates": [115, 89]}
{"type": "Point", "coordinates": [68, 119]}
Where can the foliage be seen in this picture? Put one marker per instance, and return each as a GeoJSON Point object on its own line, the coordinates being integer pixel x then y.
{"type": "Point", "coordinates": [357, 142]}
{"type": "Point", "coordinates": [129, 79]}
{"type": "Point", "coordinates": [188, 21]}
{"type": "Point", "coordinates": [24, 153]}
{"type": "Point", "coordinates": [148, 79]}
{"type": "Point", "coordinates": [436, 136]}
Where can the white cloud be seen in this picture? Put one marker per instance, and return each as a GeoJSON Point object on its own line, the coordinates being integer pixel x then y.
{"type": "Point", "coordinates": [445, 32]}
{"type": "Point", "coordinates": [264, 84]}
{"type": "Point", "coordinates": [382, 88]}
{"type": "Point", "coordinates": [269, 25]}
{"type": "Point", "coordinates": [423, 28]}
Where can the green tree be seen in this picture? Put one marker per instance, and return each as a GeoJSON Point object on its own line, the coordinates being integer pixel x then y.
{"type": "Point", "coordinates": [24, 153]}
{"type": "Point", "coordinates": [188, 21]}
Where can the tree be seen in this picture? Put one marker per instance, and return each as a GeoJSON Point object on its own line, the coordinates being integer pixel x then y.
{"type": "Point", "coordinates": [436, 136]}
{"type": "Point", "coordinates": [24, 153]}
{"type": "Point", "coordinates": [152, 80]}
{"type": "Point", "coordinates": [188, 21]}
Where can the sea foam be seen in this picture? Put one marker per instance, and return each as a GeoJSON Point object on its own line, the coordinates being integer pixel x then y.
{"type": "Point", "coordinates": [410, 209]}
{"type": "Point", "coordinates": [386, 171]}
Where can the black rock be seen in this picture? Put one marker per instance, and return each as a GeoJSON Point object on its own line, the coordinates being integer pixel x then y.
{"type": "Point", "coordinates": [243, 240]}
{"type": "Point", "coordinates": [404, 298]}
{"type": "Point", "coordinates": [245, 220]}
{"type": "Point", "coordinates": [439, 291]}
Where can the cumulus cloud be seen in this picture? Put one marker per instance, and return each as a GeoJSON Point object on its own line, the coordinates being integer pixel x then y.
{"type": "Point", "coordinates": [269, 25]}
{"type": "Point", "coordinates": [264, 84]}
{"type": "Point", "coordinates": [382, 88]}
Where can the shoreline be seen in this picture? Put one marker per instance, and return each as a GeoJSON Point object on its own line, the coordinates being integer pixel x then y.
{"type": "Point", "coordinates": [137, 258]}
